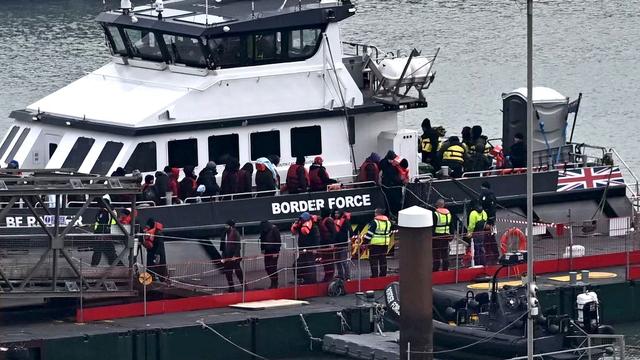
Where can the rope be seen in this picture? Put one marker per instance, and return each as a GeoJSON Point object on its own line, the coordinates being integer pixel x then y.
{"type": "Point", "coordinates": [205, 326]}
{"type": "Point", "coordinates": [306, 329]}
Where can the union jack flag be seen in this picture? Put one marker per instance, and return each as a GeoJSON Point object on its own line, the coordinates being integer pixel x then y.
{"type": "Point", "coordinates": [589, 178]}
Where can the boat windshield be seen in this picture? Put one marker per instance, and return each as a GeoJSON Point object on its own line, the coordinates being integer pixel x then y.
{"type": "Point", "coordinates": [117, 43]}
{"type": "Point", "coordinates": [144, 44]}
{"type": "Point", "coordinates": [185, 50]}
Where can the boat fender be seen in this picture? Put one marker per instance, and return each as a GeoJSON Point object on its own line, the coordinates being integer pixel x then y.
{"type": "Point", "coordinates": [504, 240]}
{"type": "Point", "coordinates": [336, 288]}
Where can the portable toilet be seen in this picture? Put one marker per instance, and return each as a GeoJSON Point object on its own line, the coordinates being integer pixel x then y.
{"type": "Point", "coordinates": [550, 110]}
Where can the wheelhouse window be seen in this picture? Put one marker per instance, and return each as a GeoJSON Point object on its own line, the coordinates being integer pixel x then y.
{"type": "Point", "coordinates": [183, 152]}
{"type": "Point", "coordinates": [185, 50]}
{"type": "Point", "coordinates": [223, 147]}
{"type": "Point", "coordinates": [265, 47]}
{"type": "Point", "coordinates": [225, 52]}
{"type": "Point", "coordinates": [303, 42]}
{"type": "Point", "coordinates": [16, 146]}
{"type": "Point", "coordinates": [78, 153]}
{"type": "Point", "coordinates": [143, 158]}
{"type": "Point", "coordinates": [306, 141]}
{"type": "Point", "coordinates": [106, 158]}
{"type": "Point", "coordinates": [115, 40]}
{"type": "Point", "coordinates": [7, 141]}
{"type": "Point", "coordinates": [144, 44]}
{"type": "Point", "coordinates": [265, 143]}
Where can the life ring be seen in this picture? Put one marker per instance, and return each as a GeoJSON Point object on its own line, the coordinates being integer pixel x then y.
{"type": "Point", "coordinates": [504, 240]}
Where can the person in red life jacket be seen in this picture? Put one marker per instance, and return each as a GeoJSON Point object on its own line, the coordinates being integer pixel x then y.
{"type": "Point", "coordinates": [297, 177]}
{"type": "Point", "coordinates": [318, 176]}
{"type": "Point", "coordinates": [342, 221]}
{"type": "Point", "coordinates": [244, 181]}
{"type": "Point", "coordinates": [153, 242]}
{"type": "Point", "coordinates": [308, 239]}
{"type": "Point", "coordinates": [403, 169]}
{"type": "Point", "coordinates": [377, 240]}
{"type": "Point", "coordinates": [187, 186]}
{"type": "Point", "coordinates": [174, 174]}
{"type": "Point", "coordinates": [125, 217]}
{"type": "Point", "coordinates": [327, 229]}
{"type": "Point", "coordinates": [230, 246]}
{"type": "Point", "coordinates": [265, 180]}
{"type": "Point", "coordinates": [369, 170]}
{"type": "Point", "coordinates": [270, 242]}
{"type": "Point", "coordinates": [498, 154]}
{"type": "Point", "coordinates": [229, 181]}
{"type": "Point", "coordinates": [391, 181]}
{"type": "Point", "coordinates": [442, 226]}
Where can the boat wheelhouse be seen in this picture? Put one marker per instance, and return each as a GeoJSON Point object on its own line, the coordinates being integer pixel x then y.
{"type": "Point", "coordinates": [188, 84]}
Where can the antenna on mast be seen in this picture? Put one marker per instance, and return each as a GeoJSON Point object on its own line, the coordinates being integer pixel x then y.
{"type": "Point", "coordinates": [206, 12]}
{"type": "Point", "coordinates": [253, 9]}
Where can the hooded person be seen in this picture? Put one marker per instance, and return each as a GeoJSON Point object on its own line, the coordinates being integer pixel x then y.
{"type": "Point", "coordinates": [454, 156]}
{"type": "Point", "coordinates": [327, 228]}
{"type": "Point", "coordinates": [370, 170]}
{"type": "Point", "coordinates": [229, 181]}
{"type": "Point", "coordinates": [187, 186]}
{"type": "Point", "coordinates": [272, 167]}
{"type": "Point", "coordinates": [479, 150]}
{"type": "Point", "coordinates": [161, 187]}
{"type": "Point", "coordinates": [297, 177]}
{"type": "Point", "coordinates": [318, 177]}
{"type": "Point", "coordinates": [342, 220]}
{"type": "Point", "coordinates": [207, 177]}
{"type": "Point", "coordinates": [174, 174]}
{"type": "Point", "coordinates": [103, 221]}
{"type": "Point", "coordinates": [230, 247]}
{"type": "Point", "coordinates": [391, 180]}
{"type": "Point", "coordinates": [153, 242]}
{"type": "Point", "coordinates": [245, 179]}
{"type": "Point", "coordinates": [306, 229]}
{"type": "Point", "coordinates": [265, 181]}
{"type": "Point", "coordinates": [270, 243]}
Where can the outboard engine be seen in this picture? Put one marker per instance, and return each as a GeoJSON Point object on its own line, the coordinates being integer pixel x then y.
{"type": "Point", "coordinates": [588, 311]}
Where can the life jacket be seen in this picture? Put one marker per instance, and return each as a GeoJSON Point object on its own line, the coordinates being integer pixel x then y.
{"type": "Point", "coordinates": [404, 173]}
{"type": "Point", "coordinates": [454, 153]}
{"type": "Point", "coordinates": [477, 220]}
{"type": "Point", "coordinates": [444, 221]}
{"type": "Point", "coordinates": [425, 145]}
{"type": "Point", "coordinates": [315, 182]}
{"type": "Point", "coordinates": [150, 235]}
{"type": "Point", "coordinates": [292, 177]}
{"type": "Point", "coordinates": [362, 173]}
{"type": "Point", "coordinates": [325, 230]}
{"type": "Point", "coordinates": [341, 221]}
{"type": "Point", "coordinates": [382, 234]}
{"type": "Point", "coordinates": [105, 228]}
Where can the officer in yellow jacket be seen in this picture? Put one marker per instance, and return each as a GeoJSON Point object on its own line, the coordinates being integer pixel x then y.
{"type": "Point", "coordinates": [377, 240]}
{"type": "Point", "coordinates": [441, 236]}
{"type": "Point", "coordinates": [102, 225]}
{"type": "Point", "coordinates": [478, 230]}
{"type": "Point", "coordinates": [454, 156]}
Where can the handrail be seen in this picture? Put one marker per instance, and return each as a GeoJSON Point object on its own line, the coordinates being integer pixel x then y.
{"type": "Point", "coordinates": [252, 194]}
{"type": "Point", "coordinates": [357, 46]}
{"type": "Point", "coordinates": [116, 203]}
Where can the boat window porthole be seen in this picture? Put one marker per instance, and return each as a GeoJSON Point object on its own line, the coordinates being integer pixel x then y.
{"type": "Point", "coordinates": [306, 141]}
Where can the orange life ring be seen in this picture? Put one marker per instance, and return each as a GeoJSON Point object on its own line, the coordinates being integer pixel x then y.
{"type": "Point", "coordinates": [504, 240]}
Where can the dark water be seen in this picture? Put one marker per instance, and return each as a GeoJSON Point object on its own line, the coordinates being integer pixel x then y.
{"type": "Point", "coordinates": [588, 46]}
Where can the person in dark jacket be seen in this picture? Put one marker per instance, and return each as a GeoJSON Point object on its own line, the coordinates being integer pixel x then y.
{"type": "Point", "coordinates": [342, 220]}
{"type": "Point", "coordinates": [489, 202]}
{"type": "Point", "coordinates": [187, 186]}
{"type": "Point", "coordinates": [230, 247]}
{"type": "Point", "coordinates": [297, 177]}
{"type": "Point", "coordinates": [264, 180]}
{"type": "Point", "coordinates": [392, 181]}
{"type": "Point", "coordinates": [369, 170]}
{"type": "Point", "coordinates": [479, 150]}
{"type": "Point", "coordinates": [518, 152]}
{"type": "Point", "coordinates": [327, 228]}
{"type": "Point", "coordinates": [454, 156]}
{"type": "Point", "coordinates": [270, 242]}
{"type": "Point", "coordinates": [207, 177]}
{"type": "Point", "coordinates": [153, 242]}
{"type": "Point", "coordinates": [244, 181]}
{"type": "Point", "coordinates": [161, 187]}
{"type": "Point", "coordinates": [102, 225]}
{"type": "Point", "coordinates": [318, 176]}
{"type": "Point", "coordinates": [148, 190]}
{"type": "Point", "coordinates": [229, 181]}
{"type": "Point", "coordinates": [306, 229]}
{"type": "Point", "coordinates": [428, 143]}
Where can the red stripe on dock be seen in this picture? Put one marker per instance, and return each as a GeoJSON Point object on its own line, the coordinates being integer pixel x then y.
{"type": "Point", "coordinates": [316, 290]}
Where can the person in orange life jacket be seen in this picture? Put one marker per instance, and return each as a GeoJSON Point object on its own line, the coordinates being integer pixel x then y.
{"type": "Point", "coordinates": [102, 225]}
{"type": "Point", "coordinates": [125, 217]}
{"type": "Point", "coordinates": [318, 176]}
{"type": "Point", "coordinates": [443, 225]}
{"type": "Point", "coordinates": [391, 181]}
{"type": "Point", "coordinates": [230, 248]}
{"type": "Point", "coordinates": [342, 221]}
{"type": "Point", "coordinates": [229, 181]}
{"type": "Point", "coordinates": [297, 177]}
{"type": "Point", "coordinates": [153, 242]}
{"type": "Point", "coordinates": [308, 238]}
{"type": "Point", "coordinates": [377, 239]}
{"type": "Point", "coordinates": [403, 169]}
{"type": "Point", "coordinates": [187, 186]}
{"type": "Point", "coordinates": [174, 174]}
{"type": "Point", "coordinates": [270, 242]}
{"type": "Point", "coordinates": [327, 229]}
{"type": "Point", "coordinates": [369, 170]}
